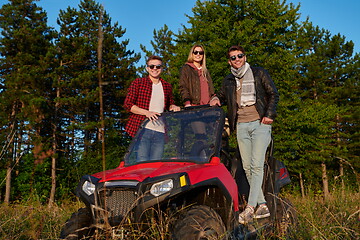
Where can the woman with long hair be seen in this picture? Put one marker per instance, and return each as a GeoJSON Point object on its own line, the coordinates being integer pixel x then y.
{"type": "Point", "coordinates": [196, 86]}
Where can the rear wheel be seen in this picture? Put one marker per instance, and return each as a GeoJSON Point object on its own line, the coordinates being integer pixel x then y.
{"type": "Point", "coordinates": [78, 226]}
{"type": "Point", "coordinates": [200, 222]}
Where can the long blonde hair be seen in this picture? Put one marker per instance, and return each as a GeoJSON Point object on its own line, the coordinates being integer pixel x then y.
{"type": "Point", "coordinates": [203, 62]}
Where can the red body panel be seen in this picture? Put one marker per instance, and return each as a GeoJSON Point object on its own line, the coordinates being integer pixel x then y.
{"type": "Point", "coordinates": [197, 173]}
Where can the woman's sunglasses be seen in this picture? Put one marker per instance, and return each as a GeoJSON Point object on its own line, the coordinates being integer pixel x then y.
{"type": "Point", "coordinates": [154, 66]}
{"type": "Point", "coordinates": [240, 56]}
{"type": "Point", "coordinates": [198, 52]}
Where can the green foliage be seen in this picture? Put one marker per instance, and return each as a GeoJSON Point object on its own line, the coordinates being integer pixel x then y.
{"type": "Point", "coordinates": [50, 92]}
{"type": "Point", "coordinates": [31, 180]}
{"type": "Point", "coordinates": [26, 86]}
{"type": "Point", "coordinates": [79, 83]}
{"type": "Point", "coordinates": [305, 141]}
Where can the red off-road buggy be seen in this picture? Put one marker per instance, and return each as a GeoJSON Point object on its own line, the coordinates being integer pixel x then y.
{"type": "Point", "coordinates": [199, 182]}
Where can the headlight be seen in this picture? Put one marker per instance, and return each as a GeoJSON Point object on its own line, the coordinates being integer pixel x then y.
{"type": "Point", "coordinates": [88, 188]}
{"type": "Point", "coordinates": [161, 187]}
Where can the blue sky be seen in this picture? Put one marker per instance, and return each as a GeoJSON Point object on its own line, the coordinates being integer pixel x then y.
{"type": "Point", "coordinates": [141, 17]}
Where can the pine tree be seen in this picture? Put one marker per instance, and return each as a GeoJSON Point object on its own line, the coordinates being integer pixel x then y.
{"type": "Point", "coordinates": [327, 76]}
{"type": "Point", "coordinates": [26, 86]}
{"type": "Point", "coordinates": [78, 84]}
{"type": "Point", "coordinates": [163, 45]}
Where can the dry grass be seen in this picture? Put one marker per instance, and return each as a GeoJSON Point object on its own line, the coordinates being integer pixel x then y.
{"type": "Point", "coordinates": [32, 220]}
{"type": "Point", "coordinates": [155, 227]}
{"type": "Point", "coordinates": [338, 218]}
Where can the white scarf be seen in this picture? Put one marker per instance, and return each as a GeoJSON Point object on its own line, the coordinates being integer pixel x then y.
{"type": "Point", "coordinates": [248, 94]}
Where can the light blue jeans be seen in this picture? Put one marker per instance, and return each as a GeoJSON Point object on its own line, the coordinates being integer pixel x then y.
{"type": "Point", "coordinates": [151, 146]}
{"type": "Point", "coordinates": [253, 139]}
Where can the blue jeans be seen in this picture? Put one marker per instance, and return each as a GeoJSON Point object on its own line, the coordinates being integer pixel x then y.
{"type": "Point", "coordinates": [151, 146]}
{"type": "Point", "coordinates": [253, 139]}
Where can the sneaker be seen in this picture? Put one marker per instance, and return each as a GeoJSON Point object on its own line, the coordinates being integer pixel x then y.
{"type": "Point", "coordinates": [262, 212]}
{"type": "Point", "coordinates": [247, 215]}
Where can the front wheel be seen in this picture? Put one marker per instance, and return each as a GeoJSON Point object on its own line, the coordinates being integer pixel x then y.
{"type": "Point", "coordinates": [78, 226]}
{"type": "Point", "coordinates": [199, 222]}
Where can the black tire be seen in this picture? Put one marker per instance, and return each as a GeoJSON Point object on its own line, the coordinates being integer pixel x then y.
{"type": "Point", "coordinates": [199, 223]}
{"type": "Point", "coordinates": [288, 220]}
{"type": "Point", "coordinates": [78, 226]}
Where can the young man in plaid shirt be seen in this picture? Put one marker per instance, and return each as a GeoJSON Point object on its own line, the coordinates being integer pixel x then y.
{"type": "Point", "coordinates": [147, 98]}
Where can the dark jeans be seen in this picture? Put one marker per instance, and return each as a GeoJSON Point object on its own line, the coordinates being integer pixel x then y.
{"type": "Point", "coordinates": [151, 145]}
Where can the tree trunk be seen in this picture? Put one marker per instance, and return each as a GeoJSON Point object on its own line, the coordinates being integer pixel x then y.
{"type": "Point", "coordinates": [54, 148]}
{"type": "Point", "coordinates": [325, 182]}
{"type": "Point", "coordinates": [301, 185]}
{"type": "Point", "coordinates": [10, 149]}
{"type": "Point", "coordinates": [8, 185]}
{"type": "Point", "coordinates": [99, 56]}
{"type": "Point", "coordinates": [341, 175]}
{"type": "Point", "coordinates": [341, 165]}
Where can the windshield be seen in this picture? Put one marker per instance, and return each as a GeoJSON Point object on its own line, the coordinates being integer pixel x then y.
{"type": "Point", "coordinates": [190, 135]}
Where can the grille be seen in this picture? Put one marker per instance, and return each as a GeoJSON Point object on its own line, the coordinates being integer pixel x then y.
{"type": "Point", "coordinates": [118, 203]}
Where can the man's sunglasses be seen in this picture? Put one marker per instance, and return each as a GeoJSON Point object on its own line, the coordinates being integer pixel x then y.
{"type": "Point", "coordinates": [240, 56]}
{"type": "Point", "coordinates": [154, 66]}
{"type": "Point", "coordinates": [198, 52]}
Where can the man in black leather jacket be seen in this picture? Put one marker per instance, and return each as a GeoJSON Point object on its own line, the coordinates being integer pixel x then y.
{"type": "Point", "coordinates": [251, 97]}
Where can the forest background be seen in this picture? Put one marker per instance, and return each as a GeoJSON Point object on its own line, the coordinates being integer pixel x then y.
{"type": "Point", "coordinates": [62, 91]}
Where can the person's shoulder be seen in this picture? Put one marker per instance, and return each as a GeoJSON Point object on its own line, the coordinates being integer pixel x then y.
{"type": "Point", "coordinates": [257, 68]}
{"type": "Point", "coordinates": [185, 67]}
{"type": "Point", "coordinates": [141, 80]}
{"type": "Point", "coordinates": [230, 76]}
{"type": "Point", "coordinates": [137, 80]}
{"type": "Point", "coordinates": [164, 82]}
{"type": "Point", "coordinates": [166, 85]}
{"type": "Point", "coordinates": [259, 71]}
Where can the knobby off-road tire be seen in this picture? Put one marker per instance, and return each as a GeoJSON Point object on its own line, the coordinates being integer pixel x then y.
{"type": "Point", "coordinates": [78, 226]}
{"type": "Point", "coordinates": [199, 223]}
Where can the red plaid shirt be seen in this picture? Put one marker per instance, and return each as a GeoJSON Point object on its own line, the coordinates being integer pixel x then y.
{"type": "Point", "coordinates": [139, 94]}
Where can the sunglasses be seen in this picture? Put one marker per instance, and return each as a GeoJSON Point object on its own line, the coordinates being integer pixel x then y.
{"type": "Point", "coordinates": [198, 52]}
{"type": "Point", "coordinates": [240, 56]}
{"type": "Point", "coordinates": [155, 66]}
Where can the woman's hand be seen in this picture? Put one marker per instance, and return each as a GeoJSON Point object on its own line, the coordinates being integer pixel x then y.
{"type": "Point", "coordinates": [266, 120]}
{"type": "Point", "coordinates": [174, 108]}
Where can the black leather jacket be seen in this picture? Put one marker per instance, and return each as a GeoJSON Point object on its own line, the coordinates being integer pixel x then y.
{"type": "Point", "coordinates": [267, 95]}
